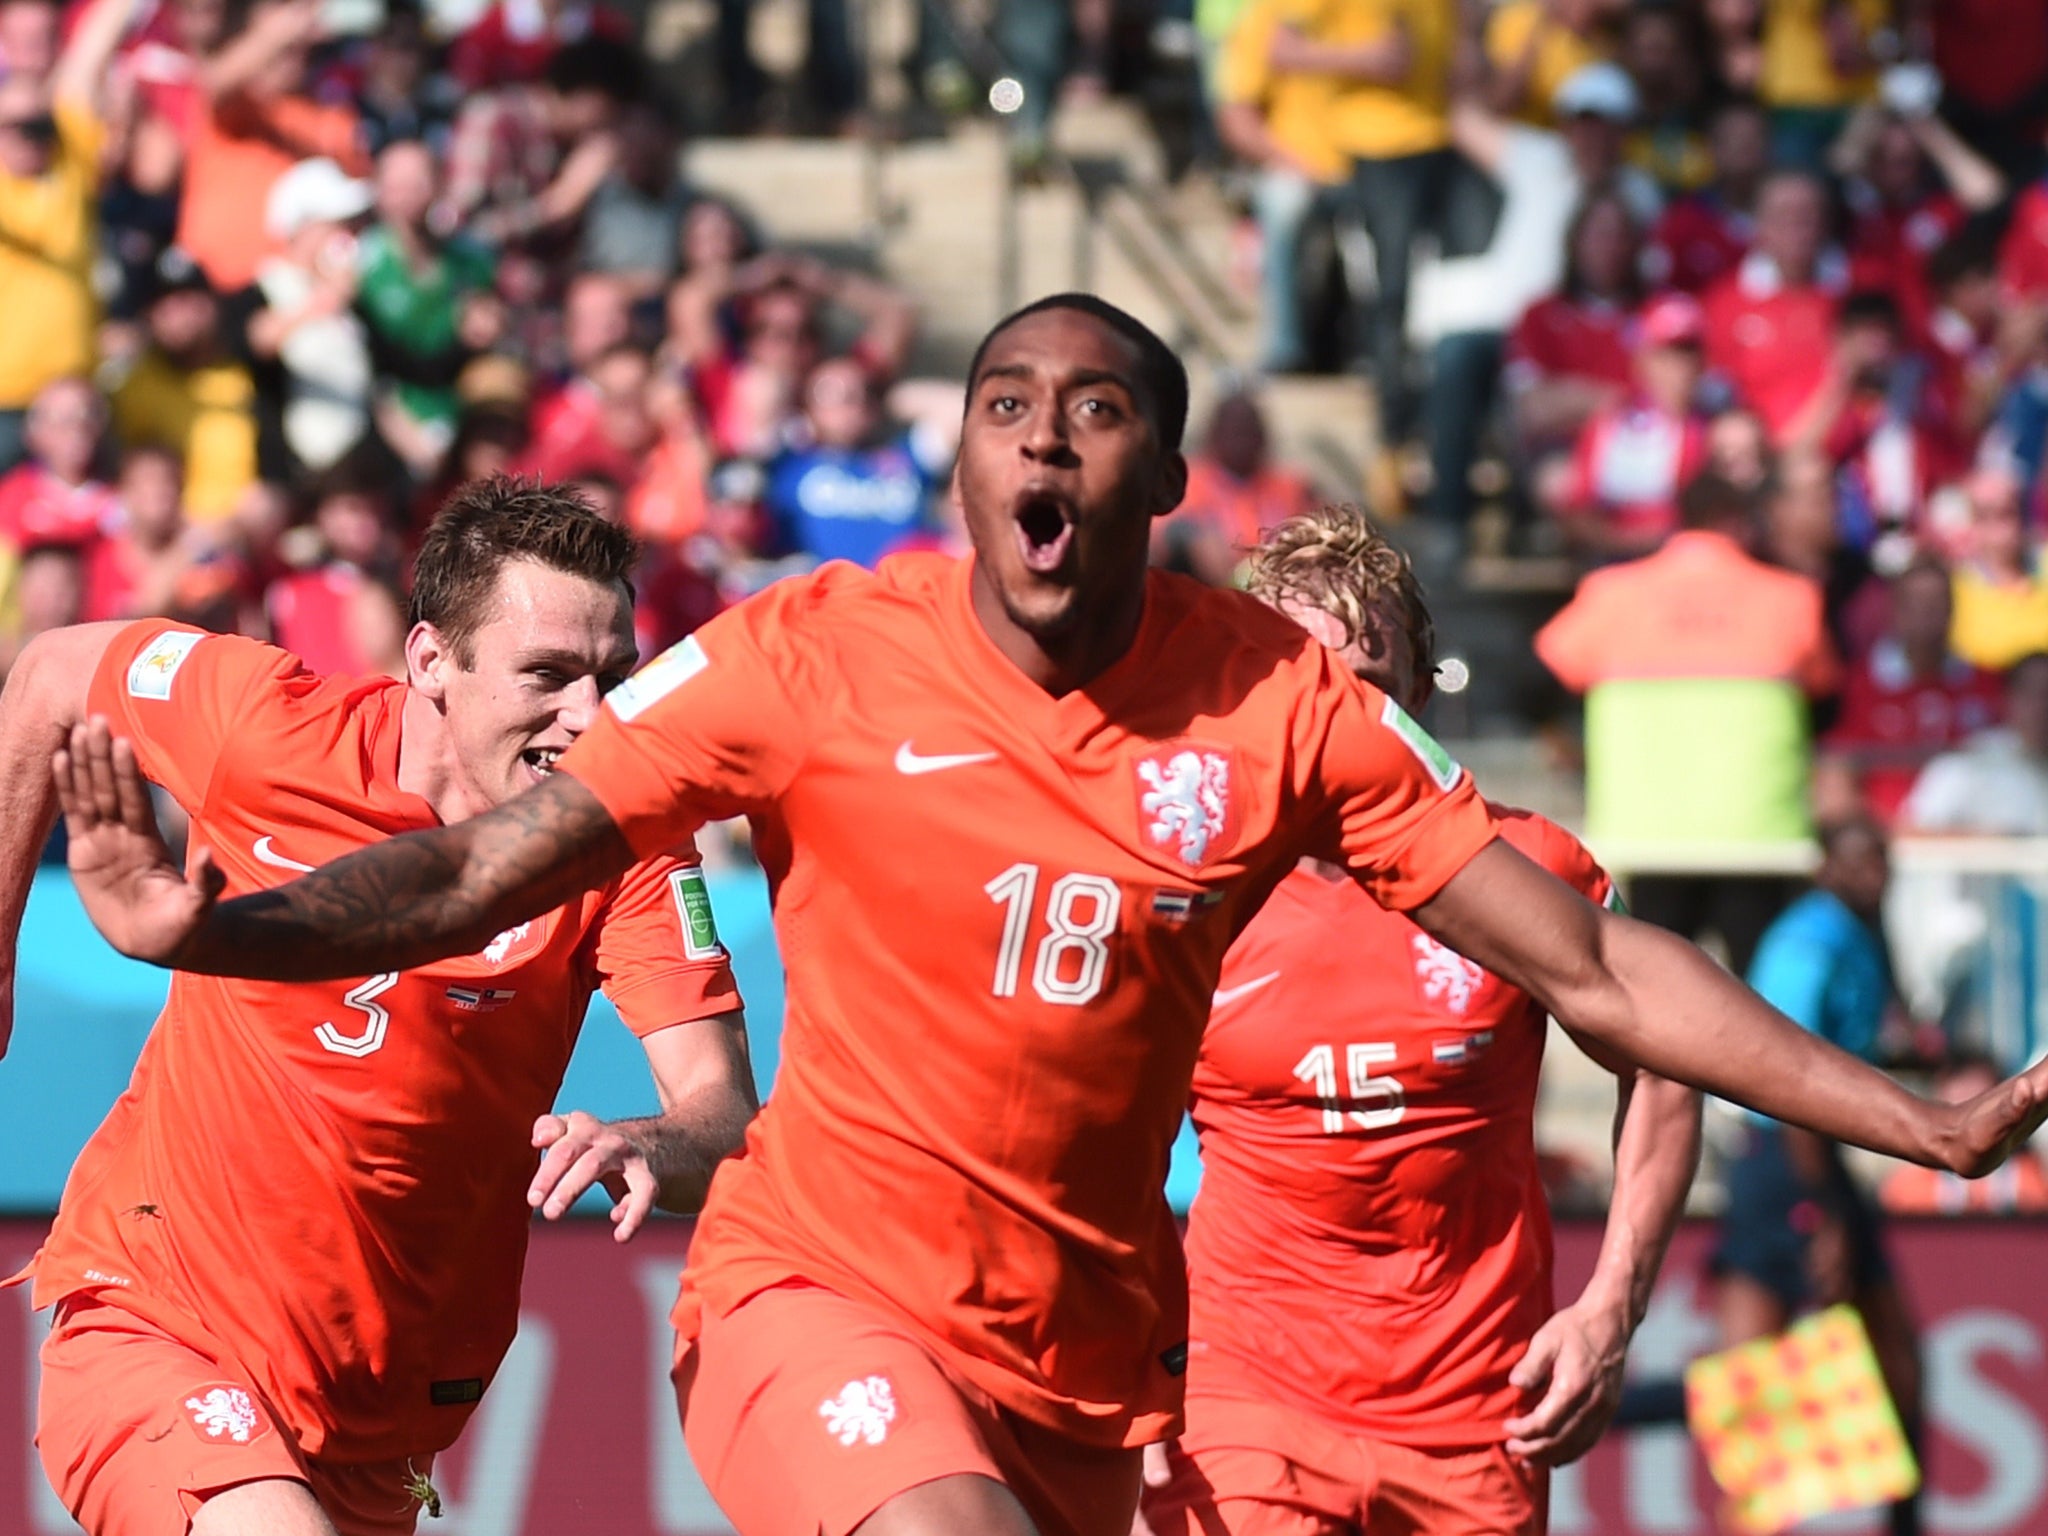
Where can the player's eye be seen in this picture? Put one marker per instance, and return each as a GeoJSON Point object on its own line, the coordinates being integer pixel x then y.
{"type": "Point", "coordinates": [551, 678]}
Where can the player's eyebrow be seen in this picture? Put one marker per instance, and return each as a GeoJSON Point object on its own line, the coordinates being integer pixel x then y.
{"type": "Point", "coordinates": [1080, 378]}
{"type": "Point", "coordinates": [578, 661]}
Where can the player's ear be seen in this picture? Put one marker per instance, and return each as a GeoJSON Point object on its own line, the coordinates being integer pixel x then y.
{"type": "Point", "coordinates": [427, 660]}
{"type": "Point", "coordinates": [1170, 484]}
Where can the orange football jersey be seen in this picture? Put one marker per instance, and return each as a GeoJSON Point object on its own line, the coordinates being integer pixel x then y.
{"type": "Point", "coordinates": [1002, 914]}
{"type": "Point", "coordinates": [1371, 1241]}
{"type": "Point", "coordinates": [329, 1180]}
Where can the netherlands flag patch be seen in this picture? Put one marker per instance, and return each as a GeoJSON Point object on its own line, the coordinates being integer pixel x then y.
{"type": "Point", "coordinates": [1456, 1053]}
{"type": "Point", "coordinates": [481, 999]}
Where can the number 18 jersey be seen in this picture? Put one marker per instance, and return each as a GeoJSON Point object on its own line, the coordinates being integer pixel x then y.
{"type": "Point", "coordinates": [1002, 914]}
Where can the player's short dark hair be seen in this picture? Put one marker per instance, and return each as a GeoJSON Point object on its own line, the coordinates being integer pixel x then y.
{"type": "Point", "coordinates": [1162, 379]}
{"type": "Point", "coordinates": [507, 517]}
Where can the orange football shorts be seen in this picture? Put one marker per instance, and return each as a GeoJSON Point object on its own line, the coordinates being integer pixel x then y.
{"type": "Point", "coordinates": [1256, 1469]}
{"type": "Point", "coordinates": [138, 1428]}
{"type": "Point", "coordinates": [806, 1412]}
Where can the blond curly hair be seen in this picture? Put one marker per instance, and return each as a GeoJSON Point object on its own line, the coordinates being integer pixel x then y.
{"type": "Point", "coordinates": [1335, 560]}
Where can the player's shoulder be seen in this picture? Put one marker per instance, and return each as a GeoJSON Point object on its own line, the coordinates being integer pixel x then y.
{"type": "Point", "coordinates": [1542, 841]}
{"type": "Point", "coordinates": [1224, 620]}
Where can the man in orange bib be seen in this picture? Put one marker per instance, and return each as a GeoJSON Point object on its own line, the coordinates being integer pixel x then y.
{"type": "Point", "coordinates": [1371, 1338]}
{"type": "Point", "coordinates": [287, 1266]}
{"type": "Point", "coordinates": [1013, 809]}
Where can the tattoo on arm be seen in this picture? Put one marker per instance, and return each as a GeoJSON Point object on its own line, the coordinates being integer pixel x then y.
{"type": "Point", "coordinates": [418, 898]}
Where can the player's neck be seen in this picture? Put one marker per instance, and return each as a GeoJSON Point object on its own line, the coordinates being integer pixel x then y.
{"type": "Point", "coordinates": [1063, 663]}
{"type": "Point", "coordinates": [427, 763]}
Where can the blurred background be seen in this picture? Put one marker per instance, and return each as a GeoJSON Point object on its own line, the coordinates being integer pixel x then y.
{"type": "Point", "coordinates": [1696, 350]}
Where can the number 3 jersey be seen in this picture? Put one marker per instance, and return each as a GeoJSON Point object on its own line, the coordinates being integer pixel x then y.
{"type": "Point", "coordinates": [1371, 1242]}
{"type": "Point", "coordinates": [325, 1184]}
{"type": "Point", "coordinates": [1002, 914]}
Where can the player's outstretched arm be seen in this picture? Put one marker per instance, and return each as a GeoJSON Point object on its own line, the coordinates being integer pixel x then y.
{"type": "Point", "coordinates": [401, 903]}
{"type": "Point", "coordinates": [706, 1082]}
{"type": "Point", "coordinates": [1656, 1000]}
{"type": "Point", "coordinates": [45, 696]}
{"type": "Point", "coordinates": [1573, 1369]}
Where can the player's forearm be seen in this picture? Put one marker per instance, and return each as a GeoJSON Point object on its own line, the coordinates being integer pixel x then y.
{"type": "Point", "coordinates": [419, 898]}
{"type": "Point", "coordinates": [1665, 1006]}
{"type": "Point", "coordinates": [685, 1143]}
{"type": "Point", "coordinates": [1656, 1151]}
{"type": "Point", "coordinates": [46, 694]}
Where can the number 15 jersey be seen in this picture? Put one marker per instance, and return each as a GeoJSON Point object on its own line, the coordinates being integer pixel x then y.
{"type": "Point", "coordinates": [1002, 915]}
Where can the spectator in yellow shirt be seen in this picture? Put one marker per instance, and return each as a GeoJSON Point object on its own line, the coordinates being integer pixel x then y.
{"type": "Point", "coordinates": [50, 140]}
{"type": "Point", "coordinates": [1534, 46]}
{"type": "Point", "coordinates": [2001, 590]}
{"type": "Point", "coordinates": [1278, 122]}
{"type": "Point", "coordinates": [187, 394]}
{"type": "Point", "coordinates": [1388, 66]}
{"type": "Point", "coordinates": [1819, 60]}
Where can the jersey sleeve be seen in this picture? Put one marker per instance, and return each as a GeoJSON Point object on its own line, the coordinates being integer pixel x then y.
{"type": "Point", "coordinates": [1401, 815]}
{"type": "Point", "coordinates": [658, 955]}
{"type": "Point", "coordinates": [1544, 842]}
{"type": "Point", "coordinates": [715, 726]}
{"type": "Point", "coordinates": [184, 697]}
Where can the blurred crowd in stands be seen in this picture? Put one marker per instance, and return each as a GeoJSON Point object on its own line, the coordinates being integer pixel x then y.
{"type": "Point", "coordinates": [273, 278]}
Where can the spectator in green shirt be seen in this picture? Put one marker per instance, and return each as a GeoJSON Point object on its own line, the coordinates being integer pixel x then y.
{"type": "Point", "coordinates": [428, 302]}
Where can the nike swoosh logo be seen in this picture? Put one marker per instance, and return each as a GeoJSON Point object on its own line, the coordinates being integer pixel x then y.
{"type": "Point", "coordinates": [1232, 994]}
{"type": "Point", "coordinates": [265, 854]}
{"type": "Point", "coordinates": [912, 763]}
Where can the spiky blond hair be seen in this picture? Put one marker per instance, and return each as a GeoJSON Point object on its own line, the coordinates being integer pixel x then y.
{"type": "Point", "coordinates": [1334, 559]}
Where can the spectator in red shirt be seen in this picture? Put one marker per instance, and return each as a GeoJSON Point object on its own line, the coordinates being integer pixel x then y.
{"type": "Point", "coordinates": [1908, 699]}
{"type": "Point", "coordinates": [599, 425]}
{"type": "Point", "coordinates": [1993, 59]}
{"type": "Point", "coordinates": [1235, 494]}
{"type": "Point", "coordinates": [1568, 356]}
{"type": "Point", "coordinates": [597, 320]}
{"type": "Point", "coordinates": [1617, 497]}
{"type": "Point", "coordinates": [153, 563]}
{"type": "Point", "coordinates": [1871, 421]}
{"type": "Point", "coordinates": [56, 496]}
{"type": "Point", "coordinates": [1704, 236]}
{"type": "Point", "coordinates": [1968, 370]}
{"type": "Point", "coordinates": [355, 544]}
{"type": "Point", "coordinates": [1910, 184]}
{"type": "Point", "coordinates": [2023, 257]}
{"type": "Point", "coordinates": [515, 40]}
{"type": "Point", "coordinates": [48, 593]}
{"type": "Point", "coordinates": [1771, 322]}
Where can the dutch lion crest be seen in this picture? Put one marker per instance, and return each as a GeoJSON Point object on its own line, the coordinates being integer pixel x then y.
{"type": "Point", "coordinates": [1184, 799]}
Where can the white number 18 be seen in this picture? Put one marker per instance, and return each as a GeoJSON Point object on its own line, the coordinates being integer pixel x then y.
{"type": "Point", "coordinates": [1080, 915]}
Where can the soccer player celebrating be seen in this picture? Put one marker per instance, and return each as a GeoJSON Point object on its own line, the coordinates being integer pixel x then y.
{"type": "Point", "coordinates": [1013, 809]}
{"type": "Point", "coordinates": [1371, 1345]}
{"type": "Point", "coordinates": [288, 1264]}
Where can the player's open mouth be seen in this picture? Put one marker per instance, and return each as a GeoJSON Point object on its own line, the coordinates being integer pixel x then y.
{"type": "Point", "coordinates": [540, 761]}
{"type": "Point", "coordinates": [1045, 530]}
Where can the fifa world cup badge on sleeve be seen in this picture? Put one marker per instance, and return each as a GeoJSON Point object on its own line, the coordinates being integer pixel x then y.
{"type": "Point", "coordinates": [150, 675]}
{"type": "Point", "coordinates": [1443, 768]}
{"type": "Point", "coordinates": [658, 679]}
{"type": "Point", "coordinates": [693, 908]}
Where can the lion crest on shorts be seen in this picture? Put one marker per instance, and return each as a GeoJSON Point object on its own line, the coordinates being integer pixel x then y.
{"type": "Point", "coordinates": [861, 1412]}
{"type": "Point", "coordinates": [225, 1413]}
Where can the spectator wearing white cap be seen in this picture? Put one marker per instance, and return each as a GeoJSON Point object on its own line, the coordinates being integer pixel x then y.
{"type": "Point", "coordinates": [308, 323]}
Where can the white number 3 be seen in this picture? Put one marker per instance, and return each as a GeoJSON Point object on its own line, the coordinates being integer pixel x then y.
{"type": "Point", "coordinates": [376, 1020]}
